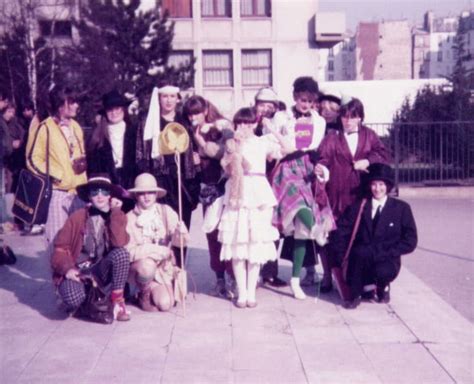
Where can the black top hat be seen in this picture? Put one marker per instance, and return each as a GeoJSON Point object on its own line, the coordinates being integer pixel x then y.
{"type": "Point", "coordinates": [380, 171]}
{"type": "Point", "coordinates": [113, 99]}
{"type": "Point", "coordinates": [100, 180]}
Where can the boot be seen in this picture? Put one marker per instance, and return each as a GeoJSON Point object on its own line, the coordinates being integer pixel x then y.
{"type": "Point", "coordinates": [144, 300]}
{"type": "Point", "coordinates": [296, 288]}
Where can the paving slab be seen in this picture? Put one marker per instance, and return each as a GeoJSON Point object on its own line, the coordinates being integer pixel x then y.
{"type": "Point", "coordinates": [418, 337]}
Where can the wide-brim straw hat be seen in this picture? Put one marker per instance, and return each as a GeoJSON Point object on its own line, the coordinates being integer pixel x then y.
{"type": "Point", "coordinates": [173, 138]}
{"type": "Point", "coordinates": [100, 180]}
{"type": "Point", "coordinates": [146, 182]}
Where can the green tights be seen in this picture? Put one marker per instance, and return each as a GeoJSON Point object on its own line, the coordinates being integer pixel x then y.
{"type": "Point", "coordinates": [306, 217]}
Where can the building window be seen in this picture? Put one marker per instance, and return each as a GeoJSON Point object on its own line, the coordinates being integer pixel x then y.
{"type": "Point", "coordinates": [331, 52]}
{"type": "Point", "coordinates": [217, 68]}
{"type": "Point", "coordinates": [58, 28]}
{"type": "Point", "coordinates": [255, 8]}
{"type": "Point", "coordinates": [176, 9]}
{"type": "Point", "coordinates": [331, 77]}
{"type": "Point", "coordinates": [440, 55]}
{"type": "Point", "coordinates": [330, 65]}
{"type": "Point", "coordinates": [216, 8]}
{"type": "Point", "coordinates": [257, 67]}
{"type": "Point", "coordinates": [179, 59]}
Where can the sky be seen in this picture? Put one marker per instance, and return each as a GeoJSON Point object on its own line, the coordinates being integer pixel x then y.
{"type": "Point", "coordinates": [377, 10]}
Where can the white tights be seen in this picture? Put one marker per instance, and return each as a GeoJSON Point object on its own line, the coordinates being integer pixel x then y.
{"type": "Point", "coordinates": [246, 277]}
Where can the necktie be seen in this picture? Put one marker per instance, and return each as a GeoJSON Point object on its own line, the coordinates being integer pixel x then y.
{"type": "Point", "coordinates": [376, 218]}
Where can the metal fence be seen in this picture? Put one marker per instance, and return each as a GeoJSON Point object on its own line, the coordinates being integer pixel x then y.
{"type": "Point", "coordinates": [435, 154]}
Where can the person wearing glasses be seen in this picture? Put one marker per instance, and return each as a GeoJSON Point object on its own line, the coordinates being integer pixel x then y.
{"type": "Point", "coordinates": [92, 242]}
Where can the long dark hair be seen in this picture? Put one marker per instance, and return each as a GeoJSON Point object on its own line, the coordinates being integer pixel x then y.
{"type": "Point", "coordinates": [58, 96]}
{"type": "Point", "coordinates": [198, 104]}
{"type": "Point", "coordinates": [101, 133]}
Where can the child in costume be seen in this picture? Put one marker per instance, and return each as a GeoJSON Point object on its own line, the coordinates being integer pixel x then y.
{"type": "Point", "coordinates": [298, 216]}
{"type": "Point", "coordinates": [154, 228]}
{"type": "Point", "coordinates": [245, 229]}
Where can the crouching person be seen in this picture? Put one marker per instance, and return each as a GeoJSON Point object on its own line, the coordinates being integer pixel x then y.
{"type": "Point", "coordinates": [382, 229]}
{"type": "Point", "coordinates": [154, 229]}
{"type": "Point", "coordinates": [91, 243]}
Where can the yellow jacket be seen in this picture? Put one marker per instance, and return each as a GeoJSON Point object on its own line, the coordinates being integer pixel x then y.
{"type": "Point", "coordinates": [60, 163]}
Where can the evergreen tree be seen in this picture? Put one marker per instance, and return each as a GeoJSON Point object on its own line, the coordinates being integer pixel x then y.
{"type": "Point", "coordinates": [123, 48]}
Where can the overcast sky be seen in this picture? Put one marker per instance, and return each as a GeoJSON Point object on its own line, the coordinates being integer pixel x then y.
{"type": "Point", "coordinates": [375, 10]}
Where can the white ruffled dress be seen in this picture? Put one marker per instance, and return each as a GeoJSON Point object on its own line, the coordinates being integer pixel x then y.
{"type": "Point", "coordinates": [247, 233]}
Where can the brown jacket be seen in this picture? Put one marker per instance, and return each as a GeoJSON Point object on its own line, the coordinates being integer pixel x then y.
{"type": "Point", "coordinates": [344, 187]}
{"type": "Point", "coordinates": [69, 241]}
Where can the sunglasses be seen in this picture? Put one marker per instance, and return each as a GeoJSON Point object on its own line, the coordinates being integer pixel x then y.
{"type": "Point", "coordinates": [95, 192]}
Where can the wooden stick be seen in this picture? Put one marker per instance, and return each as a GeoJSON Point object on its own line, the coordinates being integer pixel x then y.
{"type": "Point", "coordinates": [180, 213]}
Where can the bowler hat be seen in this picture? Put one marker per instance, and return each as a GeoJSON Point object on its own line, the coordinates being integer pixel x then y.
{"type": "Point", "coordinates": [383, 172]}
{"type": "Point", "coordinates": [146, 182]}
{"type": "Point", "coordinates": [100, 180]}
{"type": "Point", "coordinates": [113, 99]}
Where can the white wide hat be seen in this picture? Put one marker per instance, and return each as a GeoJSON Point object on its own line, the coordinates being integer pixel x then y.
{"type": "Point", "coordinates": [146, 182]}
{"type": "Point", "coordinates": [266, 94]}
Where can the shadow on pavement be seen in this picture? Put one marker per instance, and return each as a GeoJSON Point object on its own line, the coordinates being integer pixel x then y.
{"type": "Point", "coordinates": [30, 281]}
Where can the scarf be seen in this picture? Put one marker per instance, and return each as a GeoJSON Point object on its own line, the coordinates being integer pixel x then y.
{"type": "Point", "coordinates": [151, 223]}
{"type": "Point", "coordinates": [116, 135]}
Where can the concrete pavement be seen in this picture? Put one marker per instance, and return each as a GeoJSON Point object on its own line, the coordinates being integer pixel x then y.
{"type": "Point", "coordinates": [417, 338]}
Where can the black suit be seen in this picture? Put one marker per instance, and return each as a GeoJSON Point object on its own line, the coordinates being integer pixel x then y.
{"type": "Point", "coordinates": [375, 257]}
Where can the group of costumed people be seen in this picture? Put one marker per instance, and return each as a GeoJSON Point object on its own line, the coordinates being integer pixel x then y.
{"type": "Point", "coordinates": [313, 176]}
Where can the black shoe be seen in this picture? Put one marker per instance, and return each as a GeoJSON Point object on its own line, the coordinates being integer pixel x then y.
{"type": "Point", "coordinates": [369, 296]}
{"type": "Point", "coordinates": [351, 304]}
{"type": "Point", "coordinates": [275, 282]}
{"type": "Point", "coordinates": [383, 293]}
{"type": "Point", "coordinates": [325, 288]}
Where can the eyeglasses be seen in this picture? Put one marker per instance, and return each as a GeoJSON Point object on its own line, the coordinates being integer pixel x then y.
{"type": "Point", "coordinates": [95, 192]}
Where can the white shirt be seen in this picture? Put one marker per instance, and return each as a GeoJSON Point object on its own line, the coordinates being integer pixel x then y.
{"type": "Point", "coordinates": [352, 141]}
{"type": "Point", "coordinates": [378, 203]}
{"type": "Point", "coordinates": [116, 136]}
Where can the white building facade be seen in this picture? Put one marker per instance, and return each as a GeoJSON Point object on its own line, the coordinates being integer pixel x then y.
{"type": "Point", "coordinates": [241, 46]}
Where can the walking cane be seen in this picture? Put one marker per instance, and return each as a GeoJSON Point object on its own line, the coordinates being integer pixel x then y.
{"type": "Point", "coordinates": [174, 139]}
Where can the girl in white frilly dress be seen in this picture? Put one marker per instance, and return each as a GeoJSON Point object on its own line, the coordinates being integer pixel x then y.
{"type": "Point", "coordinates": [246, 231]}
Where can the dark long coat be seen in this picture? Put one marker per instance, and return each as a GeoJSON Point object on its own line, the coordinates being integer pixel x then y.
{"type": "Point", "coordinates": [100, 160]}
{"type": "Point", "coordinates": [394, 235]}
{"type": "Point", "coordinates": [343, 187]}
{"type": "Point", "coordinates": [164, 169]}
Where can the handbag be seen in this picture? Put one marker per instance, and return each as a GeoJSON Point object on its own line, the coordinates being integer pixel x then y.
{"type": "Point", "coordinates": [340, 273]}
{"type": "Point", "coordinates": [34, 191]}
{"type": "Point", "coordinates": [97, 306]}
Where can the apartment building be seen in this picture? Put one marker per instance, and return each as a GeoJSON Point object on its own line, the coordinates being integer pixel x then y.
{"type": "Point", "coordinates": [338, 63]}
{"type": "Point", "coordinates": [466, 28]}
{"type": "Point", "coordinates": [383, 50]}
{"type": "Point", "coordinates": [49, 19]}
{"type": "Point", "coordinates": [442, 32]}
{"type": "Point", "coordinates": [241, 46]}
